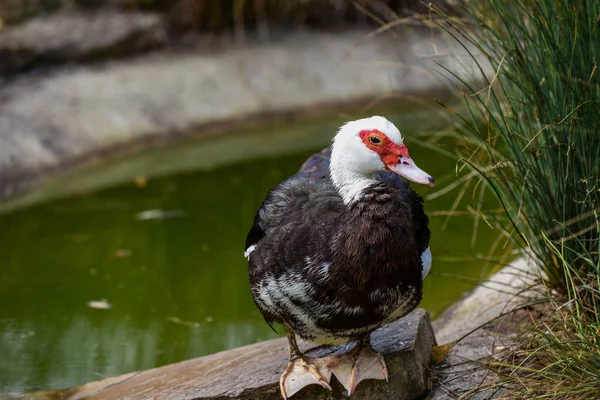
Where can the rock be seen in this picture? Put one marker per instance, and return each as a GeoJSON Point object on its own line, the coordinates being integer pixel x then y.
{"type": "Point", "coordinates": [461, 374]}
{"type": "Point", "coordinates": [252, 372]}
{"type": "Point", "coordinates": [500, 294]}
{"type": "Point", "coordinates": [473, 322]}
{"type": "Point", "coordinates": [67, 37]}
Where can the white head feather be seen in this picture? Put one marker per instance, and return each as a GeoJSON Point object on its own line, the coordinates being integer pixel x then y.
{"type": "Point", "coordinates": [352, 163]}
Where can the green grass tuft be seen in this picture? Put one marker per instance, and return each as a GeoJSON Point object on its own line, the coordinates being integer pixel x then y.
{"type": "Point", "coordinates": [533, 134]}
{"type": "Point", "coordinates": [539, 147]}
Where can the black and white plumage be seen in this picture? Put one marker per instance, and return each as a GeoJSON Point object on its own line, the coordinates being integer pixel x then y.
{"type": "Point", "coordinates": [341, 248]}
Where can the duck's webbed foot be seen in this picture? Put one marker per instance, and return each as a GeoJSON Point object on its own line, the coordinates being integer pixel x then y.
{"type": "Point", "coordinates": [361, 363]}
{"type": "Point", "coordinates": [302, 370]}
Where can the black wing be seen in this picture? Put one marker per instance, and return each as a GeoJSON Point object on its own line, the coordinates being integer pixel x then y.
{"type": "Point", "coordinates": [290, 214]}
{"type": "Point", "coordinates": [315, 168]}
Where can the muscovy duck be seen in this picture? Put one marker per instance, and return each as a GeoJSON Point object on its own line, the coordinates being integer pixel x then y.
{"type": "Point", "coordinates": [339, 250]}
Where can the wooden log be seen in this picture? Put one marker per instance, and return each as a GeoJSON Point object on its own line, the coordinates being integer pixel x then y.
{"type": "Point", "coordinates": [252, 372]}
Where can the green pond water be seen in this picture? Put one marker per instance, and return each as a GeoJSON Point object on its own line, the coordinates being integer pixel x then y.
{"type": "Point", "coordinates": [177, 287]}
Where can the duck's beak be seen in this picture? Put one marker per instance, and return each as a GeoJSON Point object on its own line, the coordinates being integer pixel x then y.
{"type": "Point", "coordinates": [407, 168]}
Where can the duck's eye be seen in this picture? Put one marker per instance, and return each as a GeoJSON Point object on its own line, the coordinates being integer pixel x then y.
{"type": "Point", "coordinates": [374, 140]}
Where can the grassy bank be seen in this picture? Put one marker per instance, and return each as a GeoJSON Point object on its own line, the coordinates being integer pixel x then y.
{"type": "Point", "coordinates": [533, 134]}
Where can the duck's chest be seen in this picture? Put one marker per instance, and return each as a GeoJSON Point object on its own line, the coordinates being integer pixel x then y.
{"type": "Point", "coordinates": [347, 312]}
{"type": "Point", "coordinates": [342, 275]}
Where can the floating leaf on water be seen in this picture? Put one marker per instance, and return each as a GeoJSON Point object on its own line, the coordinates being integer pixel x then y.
{"type": "Point", "coordinates": [120, 253]}
{"type": "Point", "coordinates": [179, 321]}
{"type": "Point", "coordinates": [141, 181]}
{"type": "Point", "coordinates": [99, 304]}
{"type": "Point", "coordinates": [158, 214]}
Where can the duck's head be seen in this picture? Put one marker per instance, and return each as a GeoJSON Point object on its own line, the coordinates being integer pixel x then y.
{"type": "Point", "coordinates": [368, 145]}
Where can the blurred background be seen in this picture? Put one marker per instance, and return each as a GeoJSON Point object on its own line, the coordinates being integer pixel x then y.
{"type": "Point", "coordinates": [139, 137]}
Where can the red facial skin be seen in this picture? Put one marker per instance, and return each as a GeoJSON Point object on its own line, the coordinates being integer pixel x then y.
{"type": "Point", "coordinates": [389, 151]}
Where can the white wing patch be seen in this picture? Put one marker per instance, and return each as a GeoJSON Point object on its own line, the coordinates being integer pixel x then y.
{"type": "Point", "coordinates": [426, 259]}
{"type": "Point", "coordinates": [249, 250]}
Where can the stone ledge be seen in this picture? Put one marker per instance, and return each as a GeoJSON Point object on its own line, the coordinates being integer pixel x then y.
{"type": "Point", "coordinates": [76, 37]}
{"type": "Point", "coordinates": [462, 370]}
{"type": "Point", "coordinates": [501, 293]}
{"type": "Point", "coordinates": [252, 372]}
{"type": "Point", "coordinates": [62, 119]}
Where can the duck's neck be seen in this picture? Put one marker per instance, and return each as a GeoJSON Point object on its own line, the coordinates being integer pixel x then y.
{"type": "Point", "coordinates": [348, 182]}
